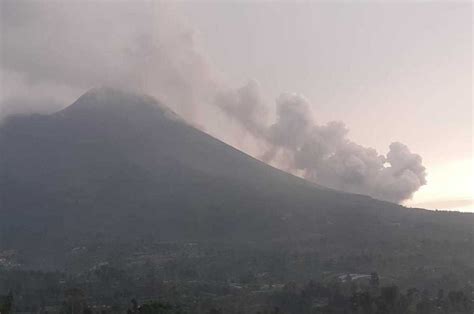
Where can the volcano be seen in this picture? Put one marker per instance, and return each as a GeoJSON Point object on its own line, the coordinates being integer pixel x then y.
{"type": "Point", "coordinates": [119, 167]}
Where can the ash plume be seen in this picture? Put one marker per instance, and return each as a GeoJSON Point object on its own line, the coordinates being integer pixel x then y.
{"type": "Point", "coordinates": [244, 105]}
{"type": "Point", "coordinates": [323, 153]}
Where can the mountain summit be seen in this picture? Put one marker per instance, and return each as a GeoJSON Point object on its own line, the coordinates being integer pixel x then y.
{"type": "Point", "coordinates": [117, 167]}
{"type": "Point", "coordinates": [116, 103]}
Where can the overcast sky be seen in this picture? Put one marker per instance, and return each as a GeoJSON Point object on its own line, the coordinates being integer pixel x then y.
{"type": "Point", "coordinates": [391, 71]}
{"type": "Point", "coordinates": [397, 71]}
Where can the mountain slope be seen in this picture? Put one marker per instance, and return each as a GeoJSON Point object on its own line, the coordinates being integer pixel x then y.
{"type": "Point", "coordinates": [121, 168]}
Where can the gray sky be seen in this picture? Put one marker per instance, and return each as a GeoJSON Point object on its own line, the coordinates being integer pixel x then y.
{"type": "Point", "coordinates": [391, 71]}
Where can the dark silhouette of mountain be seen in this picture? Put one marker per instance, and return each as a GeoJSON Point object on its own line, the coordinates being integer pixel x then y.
{"type": "Point", "coordinates": [121, 167]}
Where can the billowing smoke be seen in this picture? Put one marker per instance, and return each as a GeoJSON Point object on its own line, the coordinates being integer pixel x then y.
{"type": "Point", "coordinates": [52, 52]}
{"type": "Point", "coordinates": [246, 106]}
{"type": "Point", "coordinates": [323, 153]}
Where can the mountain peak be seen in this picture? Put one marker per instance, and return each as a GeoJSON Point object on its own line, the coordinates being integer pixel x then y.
{"type": "Point", "coordinates": [115, 101]}
{"type": "Point", "coordinates": [101, 97]}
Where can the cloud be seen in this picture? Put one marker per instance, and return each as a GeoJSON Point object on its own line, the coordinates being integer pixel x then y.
{"type": "Point", "coordinates": [138, 45]}
{"type": "Point", "coordinates": [292, 122]}
{"type": "Point", "coordinates": [246, 106]}
{"type": "Point", "coordinates": [324, 154]}
{"type": "Point", "coordinates": [403, 177]}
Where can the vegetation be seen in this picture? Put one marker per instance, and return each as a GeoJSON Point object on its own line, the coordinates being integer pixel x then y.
{"type": "Point", "coordinates": [343, 295]}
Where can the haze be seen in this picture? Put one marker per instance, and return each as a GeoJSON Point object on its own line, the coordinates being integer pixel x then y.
{"type": "Point", "coordinates": [392, 72]}
{"type": "Point", "coordinates": [258, 157]}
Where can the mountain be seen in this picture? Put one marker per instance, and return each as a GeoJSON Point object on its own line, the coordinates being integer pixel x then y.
{"type": "Point", "coordinates": [122, 170]}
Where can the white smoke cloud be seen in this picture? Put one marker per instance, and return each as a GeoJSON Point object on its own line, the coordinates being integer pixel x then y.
{"type": "Point", "coordinates": [293, 121]}
{"type": "Point", "coordinates": [323, 153]}
{"type": "Point", "coordinates": [246, 106]}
